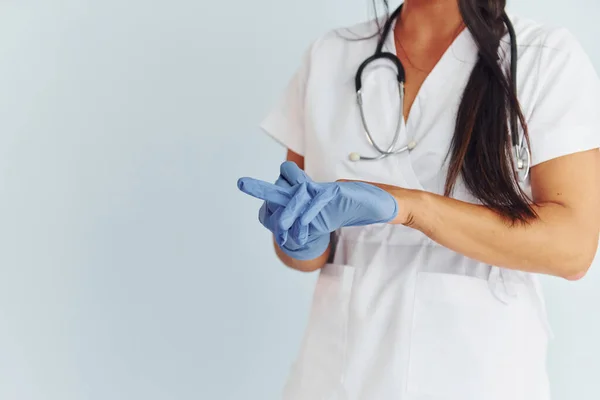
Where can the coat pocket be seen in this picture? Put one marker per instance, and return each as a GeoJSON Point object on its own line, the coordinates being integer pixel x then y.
{"type": "Point", "coordinates": [467, 345]}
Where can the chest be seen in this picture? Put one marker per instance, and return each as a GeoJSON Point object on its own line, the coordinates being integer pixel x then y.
{"type": "Point", "coordinates": [417, 67]}
{"type": "Point", "coordinates": [335, 127]}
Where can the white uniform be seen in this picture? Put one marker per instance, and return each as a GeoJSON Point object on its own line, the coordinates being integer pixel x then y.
{"type": "Point", "coordinates": [397, 316]}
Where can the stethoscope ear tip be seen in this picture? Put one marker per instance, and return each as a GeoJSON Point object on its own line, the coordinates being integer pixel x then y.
{"type": "Point", "coordinates": [354, 157]}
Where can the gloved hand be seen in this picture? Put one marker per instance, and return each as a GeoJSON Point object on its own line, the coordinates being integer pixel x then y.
{"type": "Point", "coordinates": [270, 213]}
{"type": "Point", "coordinates": [311, 211]}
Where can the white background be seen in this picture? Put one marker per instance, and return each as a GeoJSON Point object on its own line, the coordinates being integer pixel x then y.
{"type": "Point", "coordinates": [130, 266]}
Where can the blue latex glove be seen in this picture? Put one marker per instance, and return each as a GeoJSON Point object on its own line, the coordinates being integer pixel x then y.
{"type": "Point", "coordinates": [311, 211]}
{"type": "Point", "coordinates": [270, 213]}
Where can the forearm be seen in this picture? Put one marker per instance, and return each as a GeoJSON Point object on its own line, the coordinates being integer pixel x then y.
{"type": "Point", "coordinates": [558, 242]}
{"type": "Point", "coordinates": [300, 265]}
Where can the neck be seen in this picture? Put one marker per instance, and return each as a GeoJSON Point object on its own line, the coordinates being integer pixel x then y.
{"type": "Point", "coordinates": [428, 18]}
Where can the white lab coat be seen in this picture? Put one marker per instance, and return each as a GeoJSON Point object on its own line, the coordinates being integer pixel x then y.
{"type": "Point", "coordinates": [397, 316]}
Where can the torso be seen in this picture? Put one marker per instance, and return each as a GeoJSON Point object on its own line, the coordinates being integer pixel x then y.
{"type": "Point", "coordinates": [397, 316]}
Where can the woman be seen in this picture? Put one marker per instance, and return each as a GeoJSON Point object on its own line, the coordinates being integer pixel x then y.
{"type": "Point", "coordinates": [431, 291]}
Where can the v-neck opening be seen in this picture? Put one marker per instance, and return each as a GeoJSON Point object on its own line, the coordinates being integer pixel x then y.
{"type": "Point", "coordinates": [390, 44]}
{"type": "Point", "coordinates": [460, 48]}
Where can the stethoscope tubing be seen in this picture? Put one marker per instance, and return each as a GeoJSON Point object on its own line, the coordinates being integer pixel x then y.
{"type": "Point", "coordinates": [518, 140]}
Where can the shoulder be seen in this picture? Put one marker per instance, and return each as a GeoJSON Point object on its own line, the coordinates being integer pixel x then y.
{"type": "Point", "coordinates": [559, 89]}
{"type": "Point", "coordinates": [333, 58]}
{"type": "Point", "coordinates": [346, 42]}
{"type": "Point", "coordinates": [550, 56]}
{"type": "Point", "coordinates": [544, 40]}
{"type": "Point", "coordinates": [340, 36]}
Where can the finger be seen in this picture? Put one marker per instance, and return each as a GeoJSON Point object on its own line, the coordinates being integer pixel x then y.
{"type": "Point", "coordinates": [295, 207]}
{"type": "Point", "coordinates": [318, 203]}
{"type": "Point", "coordinates": [265, 191]}
{"type": "Point", "coordinates": [293, 174]}
{"type": "Point", "coordinates": [269, 220]}
{"type": "Point", "coordinates": [299, 233]}
{"type": "Point", "coordinates": [264, 215]}
{"type": "Point", "coordinates": [279, 234]}
{"type": "Point", "coordinates": [282, 182]}
{"type": "Point", "coordinates": [271, 207]}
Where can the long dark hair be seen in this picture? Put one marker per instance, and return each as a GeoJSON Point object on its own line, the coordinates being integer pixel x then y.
{"type": "Point", "coordinates": [481, 149]}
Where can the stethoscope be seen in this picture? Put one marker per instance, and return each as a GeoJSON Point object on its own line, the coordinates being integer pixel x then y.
{"type": "Point", "coordinates": [522, 152]}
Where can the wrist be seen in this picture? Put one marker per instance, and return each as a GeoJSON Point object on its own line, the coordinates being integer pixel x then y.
{"type": "Point", "coordinates": [299, 265]}
{"type": "Point", "coordinates": [410, 202]}
{"type": "Point", "coordinates": [315, 248]}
